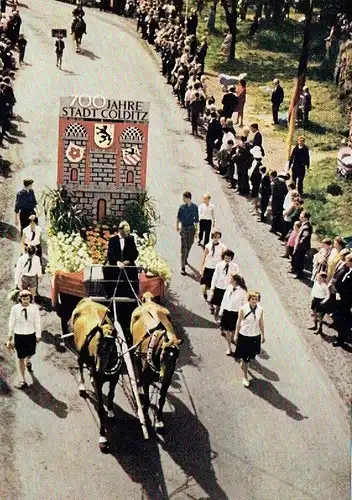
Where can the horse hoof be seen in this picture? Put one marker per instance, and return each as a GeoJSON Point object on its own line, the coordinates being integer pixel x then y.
{"type": "Point", "coordinates": [111, 414]}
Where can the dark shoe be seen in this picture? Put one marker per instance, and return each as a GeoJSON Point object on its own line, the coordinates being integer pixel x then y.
{"type": "Point", "coordinates": [319, 332]}
{"type": "Point", "coordinates": [284, 256]}
{"type": "Point", "coordinates": [271, 231]}
{"type": "Point", "coordinates": [315, 327]}
{"type": "Point", "coordinates": [199, 244]}
{"type": "Point", "coordinates": [338, 343]}
{"type": "Point", "coordinates": [29, 367]}
{"type": "Point", "coordinates": [183, 271]}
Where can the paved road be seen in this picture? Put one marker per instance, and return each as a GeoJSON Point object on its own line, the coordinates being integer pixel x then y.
{"type": "Point", "coordinates": [287, 437]}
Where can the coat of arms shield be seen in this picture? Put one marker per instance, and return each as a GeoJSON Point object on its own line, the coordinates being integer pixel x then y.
{"type": "Point", "coordinates": [74, 153]}
{"type": "Point", "coordinates": [103, 135]}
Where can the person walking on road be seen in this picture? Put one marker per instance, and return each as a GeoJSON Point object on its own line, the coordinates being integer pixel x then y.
{"type": "Point", "coordinates": [211, 257]}
{"type": "Point", "coordinates": [206, 220]}
{"type": "Point", "coordinates": [249, 334]}
{"type": "Point", "coordinates": [32, 236]}
{"type": "Point", "coordinates": [22, 43]}
{"type": "Point", "coordinates": [26, 204]}
{"type": "Point", "coordinates": [28, 272]}
{"type": "Point", "coordinates": [187, 225]}
{"type": "Point", "coordinates": [221, 278]}
{"type": "Point", "coordinates": [277, 98]}
{"type": "Point", "coordinates": [234, 298]}
{"type": "Point", "coordinates": [300, 162]}
{"type": "Point", "coordinates": [59, 50]}
{"type": "Point", "coordinates": [24, 333]}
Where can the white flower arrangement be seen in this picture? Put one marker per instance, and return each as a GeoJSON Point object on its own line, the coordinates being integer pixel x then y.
{"type": "Point", "coordinates": [150, 260]}
{"type": "Point", "coordinates": [67, 253]}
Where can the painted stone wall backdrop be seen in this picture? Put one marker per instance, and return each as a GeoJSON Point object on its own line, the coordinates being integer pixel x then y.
{"type": "Point", "coordinates": [103, 169]}
{"type": "Point", "coordinates": [80, 166]}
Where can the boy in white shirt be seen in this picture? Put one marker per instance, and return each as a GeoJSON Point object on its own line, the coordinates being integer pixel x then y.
{"type": "Point", "coordinates": [28, 272]}
{"type": "Point", "coordinates": [320, 295]}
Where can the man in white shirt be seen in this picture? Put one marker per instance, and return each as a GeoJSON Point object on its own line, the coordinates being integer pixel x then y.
{"type": "Point", "coordinates": [24, 333]}
{"type": "Point", "coordinates": [206, 212]}
{"type": "Point", "coordinates": [28, 272]}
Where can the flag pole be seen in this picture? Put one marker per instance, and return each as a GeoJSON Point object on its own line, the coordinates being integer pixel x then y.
{"type": "Point", "coordinates": [301, 78]}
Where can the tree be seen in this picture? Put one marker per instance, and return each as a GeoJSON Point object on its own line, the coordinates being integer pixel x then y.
{"type": "Point", "coordinates": [230, 8]}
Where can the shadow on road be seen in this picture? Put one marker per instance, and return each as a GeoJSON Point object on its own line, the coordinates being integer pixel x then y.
{"type": "Point", "coordinates": [265, 390]}
{"type": "Point", "coordinates": [263, 370]}
{"type": "Point", "coordinates": [42, 397]}
{"type": "Point", "coordinates": [9, 232]}
{"type": "Point", "coordinates": [19, 119]}
{"type": "Point", "coordinates": [181, 319]}
{"type": "Point", "coordinates": [68, 72]}
{"type": "Point", "coordinates": [88, 53]}
{"type": "Point", "coordinates": [187, 442]}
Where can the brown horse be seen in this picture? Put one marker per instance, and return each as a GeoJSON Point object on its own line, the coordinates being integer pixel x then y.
{"type": "Point", "coordinates": [100, 350]}
{"type": "Point", "coordinates": [158, 350]}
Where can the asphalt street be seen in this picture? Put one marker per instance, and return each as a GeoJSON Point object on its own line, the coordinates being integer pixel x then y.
{"type": "Point", "coordinates": [284, 438]}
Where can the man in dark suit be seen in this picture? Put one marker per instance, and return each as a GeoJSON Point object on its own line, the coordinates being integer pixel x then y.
{"type": "Point", "coordinates": [277, 97]}
{"type": "Point", "coordinates": [299, 161]}
{"type": "Point", "coordinates": [213, 137]}
{"type": "Point", "coordinates": [279, 190]}
{"type": "Point", "coordinates": [265, 192]}
{"type": "Point", "coordinates": [257, 137]}
{"type": "Point", "coordinates": [230, 103]}
{"type": "Point", "coordinates": [302, 246]}
{"type": "Point", "coordinates": [342, 311]}
{"type": "Point", "coordinates": [122, 252]}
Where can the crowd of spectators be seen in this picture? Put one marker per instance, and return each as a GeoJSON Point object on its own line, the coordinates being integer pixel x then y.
{"type": "Point", "coordinates": [10, 39]}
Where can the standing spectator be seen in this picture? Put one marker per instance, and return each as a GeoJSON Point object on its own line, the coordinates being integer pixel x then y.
{"type": "Point", "coordinates": [279, 190]}
{"type": "Point", "coordinates": [299, 161]}
{"type": "Point", "coordinates": [241, 93]}
{"type": "Point", "coordinates": [196, 108]}
{"type": "Point", "coordinates": [302, 245]}
{"type": "Point", "coordinates": [32, 235]}
{"type": "Point", "coordinates": [339, 245]}
{"type": "Point", "coordinates": [24, 333]}
{"type": "Point", "coordinates": [22, 43]}
{"type": "Point", "coordinates": [211, 257]}
{"type": "Point", "coordinates": [229, 102]}
{"type": "Point", "coordinates": [234, 298]}
{"type": "Point", "coordinates": [292, 240]}
{"type": "Point", "coordinates": [187, 225]}
{"type": "Point", "coordinates": [256, 178]}
{"type": "Point", "coordinates": [342, 312]}
{"type": "Point", "coordinates": [221, 278]}
{"type": "Point", "coordinates": [59, 50]}
{"type": "Point", "coordinates": [320, 259]}
{"type": "Point", "coordinates": [265, 193]}
{"type": "Point", "coordinates": [288, 208]}
{"type": "Point", "coordinates": [211, 19]}
{"type": "Point", "coordinates": [304, 106]}
{"type": "Point", "coordinates": [257, 139]}
{"type": "Point", "coordinates": [3, 6]}
{"type": "Point", "coordinates": [320, 295]}
{"type": "Point", "coordinates": [28, 272]}
{"type": "Point", "coordinates": [277, 97]}
{"type": "Point", "coordinates": [243, 160]}
{"type": "Point", "coordinates": [213, 137]}
{"type": "Point", "coordinates": [206, 212]}
{"type": "Point", "coordinates": [26, 204]}
{"type": "Point", "coordinates": [249, 334]}
{"type": "Point", "coordinates": [192, 22]}
{"type": "Point", "coordinates": [202, 52]}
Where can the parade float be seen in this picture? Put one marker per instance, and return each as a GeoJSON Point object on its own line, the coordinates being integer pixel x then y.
{"type": "Point", "coordinates": [101, 180]}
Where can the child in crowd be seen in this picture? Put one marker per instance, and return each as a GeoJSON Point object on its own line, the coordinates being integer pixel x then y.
{"type": "Point", "coordinates": [320, 295]}
{"type": "Point", "coordinates": [291, 240]}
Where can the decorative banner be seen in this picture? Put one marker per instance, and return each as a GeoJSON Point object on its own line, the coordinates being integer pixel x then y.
{"type": "Point", "coordinates": [74, 153]}
{"type": "Point", "coordinates": [103, 135]}
{"type": "Point", "coordinates": [131, 156]}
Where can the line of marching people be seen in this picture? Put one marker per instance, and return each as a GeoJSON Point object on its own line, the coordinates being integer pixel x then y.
{"type": "Point", "coordinates": [10, 39]}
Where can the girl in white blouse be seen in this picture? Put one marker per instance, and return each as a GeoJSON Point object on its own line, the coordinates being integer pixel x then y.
{"type": "Point", "coordinates": [249, 333]}
{"type": "Point", "coordinates": [234, 298]}
{"type": "Point", "coordinates": [220, 280]}
{"type": "Point", "coordinates": [212, 255]}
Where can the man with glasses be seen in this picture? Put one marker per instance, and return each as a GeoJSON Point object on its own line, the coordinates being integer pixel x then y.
{"type": "Point", "coordinates": [24, 333]}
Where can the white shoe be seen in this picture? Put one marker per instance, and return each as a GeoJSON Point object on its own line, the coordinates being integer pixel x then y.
{"type": "Point", "coordinates": [245, 382]}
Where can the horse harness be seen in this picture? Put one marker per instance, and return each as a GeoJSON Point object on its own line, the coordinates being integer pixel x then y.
{"type": "Point", "coordinates": [84, 352]}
